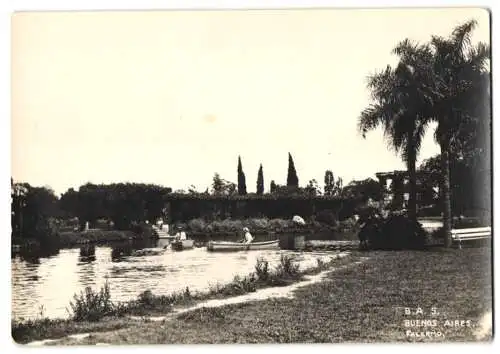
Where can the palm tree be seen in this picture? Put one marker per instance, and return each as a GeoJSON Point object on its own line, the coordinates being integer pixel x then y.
{"type": "Point", "coordinates": [401, 106]}
{"type": "Point", "coordinates": [459, 69]}
{"type": "Point", "coordinates": [446, 81]}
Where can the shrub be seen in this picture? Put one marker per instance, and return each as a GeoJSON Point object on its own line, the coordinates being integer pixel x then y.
{"type": "Point", "coordinates": [245, 284]}
{"type": "Point", "coordinates": [395, 232]}
{"type": "Point", "coordinates": [197, 225]}
{"type": "Point", "coordinates": [315, 224]}
{"type": "Point", "coordinates": [262, 269]}
{"type": "Point", "coordinates": [347, 224]}
{"type": "Point", "coordinates": [328, 217]}
{"type": "Point", "coordinates": [258, 224]}
{"type": "Point", "coordinates": [146, 298]}
{"type": "Point", "coordinates": [92, 306]}
{"type": "Point", "coordinates": [143, 230]}
{"type": "Point", "coordinates": [280, 224]}
{"type": "Point", "coordinates": [287, 267]}
{"type": "Point", "coordinates": [240, 285]}
{"type": "Point", "coordinates": [229, 225]}
{"type": "Point", "coordinates": [226, 225]}
{"type": "Point", "coordinates": [215, 226]}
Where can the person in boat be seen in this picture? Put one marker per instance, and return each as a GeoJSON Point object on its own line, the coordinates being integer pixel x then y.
{"type": "Point", "coordinates": [181, 234]}
{"type": "Point", "coordinates": [248, 236]}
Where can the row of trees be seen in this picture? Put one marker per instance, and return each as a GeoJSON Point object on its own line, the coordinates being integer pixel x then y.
{"type": "Point", "coordinates": [332, 187]}
{"type": "Point", "coordinates": [446, 81]}
{"type": "Point", "coordinates": [37, 212]}
{"type": "Point", "coordinates": [292, 179]}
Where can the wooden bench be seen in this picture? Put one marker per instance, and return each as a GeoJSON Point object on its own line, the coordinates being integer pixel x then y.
{"type": "Point", "coordinates": [475, 233]}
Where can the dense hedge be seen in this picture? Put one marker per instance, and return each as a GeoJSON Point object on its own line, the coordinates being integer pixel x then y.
{"type": "Point", "coordinates": [188, 207]}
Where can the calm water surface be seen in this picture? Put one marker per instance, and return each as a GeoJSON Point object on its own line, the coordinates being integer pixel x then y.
{"type": "Point", "coordinates": [48, 283]}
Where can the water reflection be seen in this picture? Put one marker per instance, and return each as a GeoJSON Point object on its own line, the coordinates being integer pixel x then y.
{"type": "Point", "coordinates": [33, 255]}
{"type": "Point", "coordinates": [52, 281]}
{"type": "Point", "coordinates": [119, 253]}
{"type": "Point", "coordinates": [87, 267]}
{"type": "Point", "coordinates": [87, 254]}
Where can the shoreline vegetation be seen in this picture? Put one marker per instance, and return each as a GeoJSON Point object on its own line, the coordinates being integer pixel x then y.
{"type": "Point", "coordinates": [93, 309]}
{"type": "Point", "coordinates": [201, 230]}
{"type": "Point", "coordinates": [344, 309]}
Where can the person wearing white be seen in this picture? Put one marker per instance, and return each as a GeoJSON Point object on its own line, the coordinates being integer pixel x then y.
{"type": "Point", "coordinates": [159, 223]}
{"type": "Point", "coordinates": [248, 235]}
{"type": "Point", "coordinates": [180, 235]}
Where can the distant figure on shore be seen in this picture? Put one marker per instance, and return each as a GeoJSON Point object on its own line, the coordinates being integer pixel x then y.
{"type": "Point", "coordinates": [180, 235]}
{"type": "Point", "coordinates": [248, 236]}
{"type": "Point", "coordinates": [159, 223]}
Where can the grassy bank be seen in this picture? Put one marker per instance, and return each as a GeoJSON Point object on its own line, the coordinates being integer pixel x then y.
{"type": "Point", "coordinates": [363, 303]}
{"type": "Point", "coordinates": [94, 311]}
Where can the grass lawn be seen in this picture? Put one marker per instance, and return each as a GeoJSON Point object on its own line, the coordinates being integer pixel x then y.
{"type": "Point", "coordinates": [362, 303]}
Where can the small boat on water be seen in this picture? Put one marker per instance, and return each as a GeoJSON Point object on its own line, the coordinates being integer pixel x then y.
{"type": "Point", "coordinates": [182, 245]}
{"type": "Point", "coordinates": [238, 246]}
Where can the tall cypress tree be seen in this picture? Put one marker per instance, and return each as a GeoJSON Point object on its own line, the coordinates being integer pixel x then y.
{"type": "Point", "coordinates": [292, 180]}
{"type": "Point", "coordinates": [242, 186]}
{"type": "Point", "coordinates": [260, 181]}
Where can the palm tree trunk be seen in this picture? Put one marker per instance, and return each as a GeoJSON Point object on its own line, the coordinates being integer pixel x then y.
{"type": "Point", "coordinates": [446, 194]}
{"type": "Point", "coordinates": [412, 200]}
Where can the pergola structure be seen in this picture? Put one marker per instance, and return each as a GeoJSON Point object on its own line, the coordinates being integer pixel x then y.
{"type": "Point", "coordinates": [398, 180]}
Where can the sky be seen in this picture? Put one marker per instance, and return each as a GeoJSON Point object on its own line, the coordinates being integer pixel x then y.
{"type": "Point", "coordinates": [173, 97]}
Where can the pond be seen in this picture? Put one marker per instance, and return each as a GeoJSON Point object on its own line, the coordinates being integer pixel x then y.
{"type": "Point", "coordinates": [46, 283]}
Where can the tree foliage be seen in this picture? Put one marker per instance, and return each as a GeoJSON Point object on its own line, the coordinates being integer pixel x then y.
{"type": "Point", "coordinates": [222, 187]}
{"type": "Point", "coordinates": [123, 203]}
{"type": "Point", "coordinates": [272, 187]}
{"type": "Point", "coordinates": [364, 189]}
{"type": "Point", "coordinates": [332, 187]}
{"type": "Point", "coordinates": [313, 188]}
{"type": "Point", "coordinates": [33, 212]}
{"type": "Point", "coordinates": [292, 180]}
{"type": "Point", "coordinates": [242, 186]}
{"type": "Point", "coordinates": [260, 181]}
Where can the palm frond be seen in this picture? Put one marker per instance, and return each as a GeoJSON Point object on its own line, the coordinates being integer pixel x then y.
{"type": "Point", "coordinates": [369, 119]}
{"type": "Point", "coordinates": [461, 35]}
{"type": "Point", "coordinates": [479, 55]}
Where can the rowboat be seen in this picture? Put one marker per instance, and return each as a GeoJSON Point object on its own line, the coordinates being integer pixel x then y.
{"type": "Point", "coordinates": [237, 246]}
{"type": "Point", "coordinates": [182, 245]}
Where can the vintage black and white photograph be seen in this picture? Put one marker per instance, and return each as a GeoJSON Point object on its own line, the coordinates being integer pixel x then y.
{"type": "Point", "coordinates": [251, 176]}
